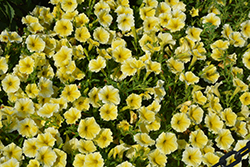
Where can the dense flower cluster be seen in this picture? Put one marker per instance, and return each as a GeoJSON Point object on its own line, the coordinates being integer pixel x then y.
{"type": "Point", "coordinates": [104, 84]}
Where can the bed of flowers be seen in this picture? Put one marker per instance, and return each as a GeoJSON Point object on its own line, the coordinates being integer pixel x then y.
{"type": "Point", "coordinates": [106, 83]}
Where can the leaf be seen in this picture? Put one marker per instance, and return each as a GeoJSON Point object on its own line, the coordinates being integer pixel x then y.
{"type": "Point", "coordinates": [10, 11]}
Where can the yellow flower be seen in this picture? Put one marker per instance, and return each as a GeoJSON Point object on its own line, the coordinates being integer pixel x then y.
{"type": "Point", "coordinates": [213, 19]}
{"type": "Point", "coordinates": [195, 113]}
{"type": "Point", "coordinates": [146, 115]}
{"type": "Point", "coordinates": [166, 143]}
{"type": "Point", "coordinates": [30, 147]}
{"type": "Point", "coordinates": [198, 139]}
{"type": "Point", "coordinates": [11, 163]}
{"type": "Point", "coordinates": [124, 125]}
{"type": "Point", "coordinates": [123, 10]}
{"type": "Point", "coordinates": [109, 94]}
{"type": "Point", "coordinates": [86, 146]}
{"type": "Point", "coordinates": [146, 12]}
{"type": "Point", "coordinates": [81, 20]}
{"type": "Point", "coordinates": [125, 164]}
{"type": "Point", "coordinates": [45, 139]}
{"type": "Point", "coordinates": [226, 31]}
{"type": "Point", "coordinates": [236, 39]}
{"type": "Point", "coordinates": [104, 18]}
{"type": "Point", "coordinates": [29, 19]}
{"type": "Point", "coordinates": [246, 59]}
{"type": "Point", "coordinates": [95, 65]}
{"type": "Point", "coordinates": [210, 159]}
{"type": "Point", "coordinates": [68, 5]}
{"type": "Point", "coordinates": [199, 98]}
{"type": "Point", "coordinates": [239, 145]}
{"type": "Point", "coordinates": [104, 138]}
{"type": "Point", "coordinates": [102, 5]}
{"type": "Point", "coordinates": [101, 35]}
{"type": "Point", "coordinates": [224, 139]}
{"type": "Point", "coordinates": [175, 66]}
{"type": "Point", "coordinates": [108, 112]}
{"type": "Point", "coordinates": [213, 122]}
{"type": "Point", "coordinates": [61, 158]}
{"type": "Point", "coordinates": [63, 27]}
{"type": "Point", "coordinates": [71, 92]}
{"type": "Point", "coordinates": [24, 107]}
{"type": "Point", "coordinates": [79, 160]}
{"type": "Point", "coordinates": [10, 83]}
{"type": "Point", "coordinates": [62, 56]}
{"type": "Point", "coordinates": [125, 22]}
{"type": "Point", "coordinates": [72, 115]}
{"type": "Point", "coordinates": [26, 65]}
{"type": "Point", "coordinates": [88, 128]}
{"type": "Point", "coordinates": [210, 74]}
{"type": "Point", "coordinates": [121, 54]}
{"type": "Point", "coordinates": [12, 151]}
{"type": "Point", "coordinates": [134, 101]}
{"type": "Point", "coordinates": [245, 28]}
{"type": "Point", "coordinates": [153, 66]}
{"type": "Point", "coordinates": [155, 125]}
{"type": "Point", "coordinates": [143, 139]}
{"type": "Point", "coordinates": [156, 158]}
{"type": "Point", "coordinates": [48, 109]}
{"type": "Point", "coordinates": [151, 24]}
{"type": "Point", "coordinates": [223, 45]}
{"type": "Point", "coordinates": [27, 128]}
{"type": "Point", "coordinates": [229, 116]}
{"type": "Point", "coordinates": [35, 27]}
{"type": "Point", "coordinates": [180, 122]}
{"type": "Point", "coordinates": [152, 3]}
{"type": "Point", "coordinates": [128, 66]}
{"type": "Point", "coordinates": [240, 128]}
{"type": "Point", "coordinates": [164, 19]}
{"type": "Point", "coordinates": [82, 103]}
{"type": "Point", "coordinates": [93, 97]}
{"type": "Point", "coordinates": [82, 34]}
{"type": "Point", "coordinates": [189, 78]}
{"type": "Point", "coordinates": [245, 98]}
{"type": "Point", "coordinates": [154, 106]}
{"type": "Point", "coordinates": [194, 33]}
{"type": "Point", "coordinates": [192, 156]}
{"type": "Point", "coordinates": [3, 65]}
{"type": "Point", "coordinates": [94, 160]}
{"type": "Point", "coordinates": [175, 24]}
{"type": "Point", "coordinates": [46, 156]}
{"type": "Point", "coordinates": [163, 8]}
{"type": "Point", "coordinates": [33, 163]}
{"type": "Point", "coordinates": [45, 87]}
{"type": "Point", "coordinates": [194, 12]}
{"type": "Point", "coordinates": [35, 43]}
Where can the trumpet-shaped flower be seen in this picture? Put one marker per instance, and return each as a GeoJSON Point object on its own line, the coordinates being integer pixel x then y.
{"type": "Point", "coordinates": [104, 18]}
{"type": "Point", "coordinates": [101, 35]}
{"type": "Point", "coordinates": [151, 24]}
{"type": "Point", "coordinates": [213, 122]}
{"type": "Point", "coordinates": [226, 31]}
{"type": "Point", "coordinates": [229, 117]}
{"type": "Point", "coordinates": [153, 66]}
{"type": "Point", "coordinates": [198, 139]}
{"type": "Point", "coordinates": [166, 143]}
{"type": "Point", "coordinates": [194, 33]}
{"type": "Point", "coordinates": [175, 24]}
{"type": "Point", "coordinates": [26, 65]}
{"type": "Point", "coordinates": [45, 87]}
{"type": "Point", "coordinates": [48, 109]}
{"type": "Point", "coordinates": [246, 59]}
{"type": "Point", "coordinates": [134, 101]}
{"type": "Point", "coordinates": [156, 158]}
{"type": "Point", "coordinates": [224, 139]}
{"type": "Point", "coordinates": [125, 164]}
{"type": "Point", "coordinates": [3, 65]}
{"type": "Point", "coordinates": [210, 159]}
{"type": "Point", "coordinates": [175, 66]}
{"type": "Point", "coordinates": [46, 156]}
{"type": "Point", "coordinates": [24, 107]}
{"type": "Point", "coordinates": [95, 65]}
{"type": "Point", "coordinates": [210, 74]}
{"type": "Point", "coordinates": [93, 97]}
{"type": "Point", "coordinates": [82, 34]}
{"type": "Point", "coordinates": [146, 11]}
{"type": "Point", "coordinates": [30, 147]}
{"type": "Point", "coordinates": [223, 45]}
{"type": "Point", "coordinates": [121, 54]}
{"type": "Point", "coordinates": [86, 146]}
{"type": "Point", "coordinates": [81, 20]}
{"type": "Point", "coordinates": [125, 22]}
{"type": "Point", "coordinates": [10, 83]}
{"type": "Point", "coordinates": [71, 92]}
{"type": "Point", "coordinates": [236, 39]}
{"type": "Point", "coordinates": [192, 156]}
{"type": "Point", "coordinates": [109, 94]}
{"type": "Point", "coordinates": [11, 163]}
{"type": "Point", "coordinates": [88, 128]}
{"type": "Point", "coordinates": [189, 78]}
{"type": "Point", "coordinates": [45, 139]}
{"type": "Point", "coordinates": [35, 43]}
{"type": "Point", "coordinates": [180, 122]}
{"type": "Point", "coordinates": [213, 19]}
{"type": "Point", "coordinates": [108, 112]}
{"type": "Point", "coordinates": [62, 56]}
{"type": "Point", "coordinates": [146, 115]}
{"type": "Point", "coordinates": [195, 113]}
{"type": "Point", "coordinates": [27, 128]}
{"type": "Point", "coordinates": [63, 27]}
{"type": "Point", "coordinates": [128, 66]}
{"type": "Point", "coordinates": [72, 115]}
{"type": "Point", "coordinates": [245, 29]}
{"type": "Point", "coordinates": [102, 5]}
{"type": "Point", "coordinates": [144, 139]}
{"type": "Point", "coordinates": [94, 160]}
{"type": "Point", "coordinates": [79, 160]}
{"type": "Point", "coordinates": [104, 138]}
{"type": "Point", "coordinates": [245, 98]}
{"type": "Point", "coordinates": [12, 151]}
{"type": "Point", "coordinates": [68, 5]}
{"type": "Point", "coordinates": [199, 98]}
{"type": "Point", "coordinates": [61, 157]}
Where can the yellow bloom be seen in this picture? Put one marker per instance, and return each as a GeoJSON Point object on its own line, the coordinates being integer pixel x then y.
{"type": "Point", "coordinates": [46, 156]}
{"type": "Point", "coordinates": [152, 3]}
{"type": "Point", "coordinates": [68, 5]}
{"type": "Point", "coordinates": [236, 39]}
{"type": "Point", "coordinates": [81, 20]}
{"type": "Point", "coordinates": [123, 10]}
{"type": "Point", "coordinates": [101, 35]}
{"type": "Point", "coordinates": [109, 94]}
{"type": "Point", "coordinates": [124, 125]}
{"type": "Point", "coordinates": [86, 146]}
{"type": "Point", "coordinates": [175, 66]}
{"type": "Point", "coordinates": [213, 19]}
{"type": "Point", "coordinates": [104, 18]}
{"type": "Point", "coordinates": [35, 27]}
{"type": "Point", "coordinates": [72, 115]}
{"type": "Point", "coordinates": [189, 78]}
{"type": "Point", "coordinates": [175, 24]}
{"type": "Point", "coordinates": [35, 43]}
{"type": "Point", "coordinates": [134, 101]}
{"type": "Point", "coordinates": [48, 109]}
{"type": "Point", "coordinates": [33, 163]}
{"type": "Point", "coordinates": [164, 19]}
{"type": "Point", "coordinates": [121, 54]}
{"type": "Point", "coordinates": [144, 139]}
{"type": "Point", "coordinates": [71, 92]}
{"type": "Point", "coordinates": [128, 67]}
{"type": "Point", "coordinates": [194, 12]}
{"type": "Point", "coordinates": [94, 160]}
{"type": "Point", "coordinates": [45, 139]}
{"type": "Point", "coordinates": [146, 12]}
{"type": "Point", "coordinates": [223, 45]}
{"type": "Point", "coordinates": [213, 122]}
{"type": "Point", "coordinates": [79, 160]}
{"type": "Point", "coordinates": [156, 158]}
{"type": "Point", "coordinates": [226, 31]}
{"type": "Point", "coordinates": [245, 98]}
{"type": "Point", "coordinates": [27, 128]}
{"type": "Point", "coordinates": [29, 19]}
{"type": "Point", "coordinates": [195, 113]}
{"type": "Point", "coordinates": [198, 139]}
{"type": "Point", "coordinates": [153, 66]}
{"type": "Point", "coordinates": [102, 5]}
{"type": "Point", "coordinates": [24, 107]}
{"type": "Point", "coordinates": [192, 156]}
{"type": "Point", "coordinates": [240, 128]}
{"type": "Point", "coordinates": [104, 138]}
{"type": "Point", "coordinates": [11, 163]}
{"type": "Point", "coordinates": [151, 24]}
{"type": "Point", "coordinates": [61, 158]}
{"type": "Point", "coordinates": [166, 143]}
{"type": "Point", "coordinates": [146, 115]}
{"type": "Point", "coordinates": [229, 117]}
{"type": "Point", "coordinates": [82, 103]}
{"type": "Point", "coordinates": [62, 56]}
{"type": "Point", "coordinates": [95, 65]}
{"type": "Point", "coordinates": [199, 98]}
{"type": "Point", "coordinates": [180, 122]}
{"type": "Point", "coordinates": [194, 33]}
{"type": "Point", "coordinates": [245, 28]}
{"type": "Point", "coordinates": [224, 139]}
{"type": "Point", "coordinates": [3, 65]}
{"type": "Point", "coordinates": [63, 27]}
{"type": "Point", "coordinates": [239, 145]}
{"type": "Point", "coordinates": [30, 147]}
{"type": "Point", "coordinates": [26, 65]}
{"type": "Point", "coordinates": [210, 74]}
{"type": "Point", "coordinates": [12, 151]}
{"type": "Point", "coordinates": [10, 83]}
{"type": "Point", "coordinates": [45, 87]}
{"type": "Point", "coordinates": [88, 128]}
{"type": "Point", "coordinates": [125, 164]}
{"type": "Point", "coordinates": [93, 97]}
{"type": "Point", "coordinates": [246, 59]}
{"type": "Point", "coordinates": [82, 34]}
{"type": "Point", "coordinates": [210, 159]}
{"type": "Point", "coordinates": [163, 8]}
{"type": "Point", "coordinates": [155, 125]}
{"type": "Point", "coordinates": [108, 112]}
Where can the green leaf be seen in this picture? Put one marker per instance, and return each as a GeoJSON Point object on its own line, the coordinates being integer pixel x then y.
{"type": "Point", "coordinates": [10, 11]}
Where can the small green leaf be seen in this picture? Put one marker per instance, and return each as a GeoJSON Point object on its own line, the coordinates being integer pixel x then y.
{"type": "Point", "coordinates": [10, 11]}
